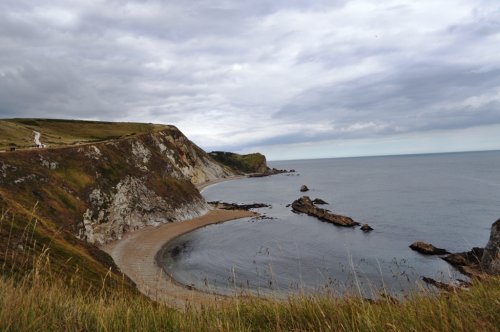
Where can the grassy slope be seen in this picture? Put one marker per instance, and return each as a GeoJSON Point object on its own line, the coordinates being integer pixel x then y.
{"type": "Point", "coordinates": [66, 132]}
{"type": "Point", "coordinates": [247, 163]}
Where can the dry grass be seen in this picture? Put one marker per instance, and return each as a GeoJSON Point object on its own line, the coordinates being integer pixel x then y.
{"type": "Point", "coordinates": [44, 300]}
{"type": "Point", "coordinates": [35, 304]}
{"type": "Point", "coordinates": [19, 132]}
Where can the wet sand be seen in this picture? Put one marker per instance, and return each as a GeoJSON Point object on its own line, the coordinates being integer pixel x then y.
{"type": "Point", "coordinates": [135, 255]}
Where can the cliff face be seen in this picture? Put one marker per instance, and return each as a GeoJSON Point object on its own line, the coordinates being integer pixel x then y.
{"type": "Point", "coordinates": [97, 192]}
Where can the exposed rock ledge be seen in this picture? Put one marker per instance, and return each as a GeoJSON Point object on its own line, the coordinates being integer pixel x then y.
{"type": "Point", "coordinates": [235, 206]}
{"type": "Point", "coordinates": [305, 205]}
{"type": "Point", "coordinates": [476, 263]}
{"type": "Point", "coordinates": [427, 249]}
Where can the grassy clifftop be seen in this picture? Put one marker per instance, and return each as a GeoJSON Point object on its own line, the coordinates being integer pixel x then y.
{"type": "Point", "coordinates": [19, 132]}
{"type": "Point", "coordinates": [247, 163]}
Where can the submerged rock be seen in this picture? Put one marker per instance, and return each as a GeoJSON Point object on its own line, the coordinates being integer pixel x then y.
{"type": "Point", "coordinates": [305, 205]}
{"type": "Point", "coordinates": [304, 188]}
{"type": "Point", "coordinates": [490, 261]}
{"type": "Point", "coordinates": [319, 201]}
{"type": "Point", "coordinates": [427, 249]}
{"type": "Point", "coordinates": [366, 228]}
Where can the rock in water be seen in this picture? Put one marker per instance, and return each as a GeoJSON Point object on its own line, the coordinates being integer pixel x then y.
{"type": "Point", "coordinates": [235, 206]}
{"type": "Point", "coordinates": [467, 262]}
{"type": "Point", "coordinates": [305, 205]}
{"type": "Point", "coordinates": [366, 228]}
{"type": "Point", "coordinates": [427, 249]}
{"type": "Point", "coordinates": [449, 287]}
{"type": "Point", "coordinates": [304, 188]}
{"type": "Point", "coordinates": [319, 201]}
{"type": "Point", "coordinates": [490, 262]}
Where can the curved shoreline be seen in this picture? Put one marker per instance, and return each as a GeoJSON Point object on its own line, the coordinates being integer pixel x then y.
{"type": "Point", "coordinates": [136, 256]}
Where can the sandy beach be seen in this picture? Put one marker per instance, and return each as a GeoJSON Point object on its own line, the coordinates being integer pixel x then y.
{"type": "Point", "coordinates": [135, 255]}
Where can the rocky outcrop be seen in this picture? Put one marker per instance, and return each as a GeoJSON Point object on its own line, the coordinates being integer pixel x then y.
{"type": "Point", "coordinates": [305, 205]}
{"type": "Point", "coordinates": [449, 287]}
{"type": "Point", "coordinates": [235, 206]}
{"type": "Point", "coordinates": [467, 262]}
{"type": "Point", "coordinates": [319, 201]}
{"type": "Point", "coordinates": [490, 261]}
{"type": "Point", "coordinates": [366, 228]}
{"type": "Point", "coordinates": [304, 188]}
{"type": "Point", "coordinates": [427, 249]}
{"type": "Point", "coordinates": [269, 172]}
{"type": "Point", "coordinates": [479, 262]}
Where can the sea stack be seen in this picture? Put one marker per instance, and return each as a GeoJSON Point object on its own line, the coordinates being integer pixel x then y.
{"type": "Point", "coordinates": [490, 262]}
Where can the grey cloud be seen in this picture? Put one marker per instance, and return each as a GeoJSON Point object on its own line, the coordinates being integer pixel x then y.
{"type": "Point", "coordinates": [284, 68]}
{"type": "Point", "coordinates": [409, 98]}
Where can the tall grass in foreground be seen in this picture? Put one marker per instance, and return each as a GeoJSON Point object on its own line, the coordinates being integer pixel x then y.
{"type": "Point", "coordinates": [40, 298]}
{"type": "Point", "coordinates": [36, 304]}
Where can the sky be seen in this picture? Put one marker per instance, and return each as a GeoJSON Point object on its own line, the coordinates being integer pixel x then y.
{"type": "Point", "coordinates": [292, 79]}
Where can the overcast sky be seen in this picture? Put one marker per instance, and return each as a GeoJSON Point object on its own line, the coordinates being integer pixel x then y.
{"type": "Point", "coordinates": [290, 78]}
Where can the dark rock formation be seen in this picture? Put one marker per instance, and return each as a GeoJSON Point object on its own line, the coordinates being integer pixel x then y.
{"type": "Point", "coordinates": [234, 206]}
{"type": "Point", "coordinates": [467, 262]}
{"type": "Point", "coordinates": [490, 261]}
{"type": "Point", "coordinates": [319, 201]}
{"type": "Point", "coordinates": [427, 249]}
{"type": "Point", "coordinates": [269, 172]}
{"type": "Point", "coordinates": [366, 228]}
{"type": "Point", "coordinates": [305, 205]}
{"type": "Point", "coordinates": [478, 261]}
{"type": "Point", "coordinates": [304, 188]}
{"type": "Point", "coordinates": [449, 287]}
{"type": "Point", "coordinates": [262, 217]}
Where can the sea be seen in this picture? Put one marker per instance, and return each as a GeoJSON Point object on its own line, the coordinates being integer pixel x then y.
{"type": "Point", "coordinates": [449, 200]}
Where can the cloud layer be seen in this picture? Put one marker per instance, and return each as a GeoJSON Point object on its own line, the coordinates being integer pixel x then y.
{"type": "Point", "coordinates": [235, 75]}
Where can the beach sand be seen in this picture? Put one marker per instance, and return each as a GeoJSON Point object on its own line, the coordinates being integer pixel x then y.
{"type": "Point", "coordinates": [135, 256]}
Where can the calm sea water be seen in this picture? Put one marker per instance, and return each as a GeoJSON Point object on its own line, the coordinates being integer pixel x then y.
{"type": "Point", "coordinates": [449, 200]}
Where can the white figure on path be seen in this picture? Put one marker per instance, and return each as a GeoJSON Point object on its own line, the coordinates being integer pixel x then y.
{"type": "Point", "coordinates": [37, 139]}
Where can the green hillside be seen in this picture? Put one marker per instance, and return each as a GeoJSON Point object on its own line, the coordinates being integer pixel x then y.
{"type": "Point", "coordinates": [243, 163]}
{"type": "Point", "coordinates": [54, 132]}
